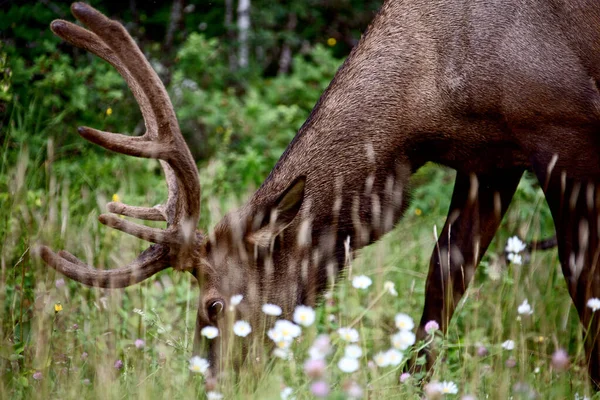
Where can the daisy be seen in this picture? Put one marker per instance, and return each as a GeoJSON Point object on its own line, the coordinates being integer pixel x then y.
{"type": "Point", "coordinates": [361, 282]}
{"type": "Point", "coordinates": [404, 322]}
{"type": "Point", "coordinates": [353, 351]}
{"type": "Point", "coordinates": [242, 328]}
{"type": "Point", "coordinates": [394, 357]}
{"type": "Point", "coordinates": [403, 340]}
{"type": "Point", "coordinates": [349, 334]}
{"type": "Point", "coordinates": [287, 329]}
{"type": "Point", "coordinates": [210, 332]}
{"type": "Point", "coordinates": [271, 309]}
{"type": "Point", "coordinates": [199, 365]}
{"type": "Point", "coordinates": [304, 315]}
{"type": "Point", "coordinates": [382, 359]}
{"type": "Point", "coordinates": [448, 387]}
{"type": "Point", "coordinates": [348, 365]}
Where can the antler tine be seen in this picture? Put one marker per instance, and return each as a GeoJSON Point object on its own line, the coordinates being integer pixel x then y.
{"type": "Point", "coordinates": [110, 41]}
{"type": "Point", "coordinates": [156, 99]}
{"type": "Point", "coordinates": [162, 140]}
{"type": "Point", "coordinates": [152, 260]}
{"type": "Point", "coordinates": [145, 213]}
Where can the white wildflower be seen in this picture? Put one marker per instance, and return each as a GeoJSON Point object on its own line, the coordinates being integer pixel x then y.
{"type": "Point", "coordinates": [404, 322]}
{"type": "Point", "coordinates": [214, 396]}
{"type": "Point", "coordinates": [508, 345]}
{"type": "Point", "coordinates": [448, 387]}
{"type": "Point", "coordinates": [320, 348]}
{"type": "Point", "coordinates": [237, 299]}
{"type": "Point", "coordinates": [382, 359]}
{"type": "Point", "coordinates": [525, 308]}
{"type": "Point", "coordinates": [390, 287]}
{"type": "Point", "coordinates": [287, 329]}
{"type": "Point", "coordinates": [394, 357]}
{"type": "Point", "coordinates": [353, 351]}
{"type": "Point", "coordinates": [284, 354]}
{"type": "Point", "coordinates": [594, 304]}
{"type": "Point", "coordinates": [286, 393]}
{"type": "Point", "coordinates": [242, 328]}
{"type": "Point", "coordinates": [403, 340]}
{"type": "Point", "coordinates": [514, 245]}
{"type": "Point", "coordinates": [199, 365]}
{"type": "Point", "coordinates": [210, 332]}
{"type": "Point", "coordinates": [515, 258]}
{"type": "Point", "coordinates": [361, 282]}
{"type": "Point", "coordinates": [348, 364]}
{"type": "Point", "coordinates": [348, 334]}
{"type": "Point", "coordinates": [304, 315]}
{"type": "Point", "coordinates": [271, 309]}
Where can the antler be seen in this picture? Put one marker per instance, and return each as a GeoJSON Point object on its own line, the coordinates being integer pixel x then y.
{"type": "Point", "coordinates": [175, 245]}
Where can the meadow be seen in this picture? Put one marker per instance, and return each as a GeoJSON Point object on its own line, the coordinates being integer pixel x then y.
{"type": "Point", "coordinates": [59, 339]}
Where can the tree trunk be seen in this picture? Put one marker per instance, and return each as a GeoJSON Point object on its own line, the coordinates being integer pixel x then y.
{"type": "Point", "coordinates": [243, 24]}
{"type": "Point", "coordinates": [174, 22]}
{"type": "Point", "coordinates": [230, 34]}
{"type": "Point", "coordinates": [285, 59]}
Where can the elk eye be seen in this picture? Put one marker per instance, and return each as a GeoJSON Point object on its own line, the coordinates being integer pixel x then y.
{"type": "Point", "coordinates": [215, 309]}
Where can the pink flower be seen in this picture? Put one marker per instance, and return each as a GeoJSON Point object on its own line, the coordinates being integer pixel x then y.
{"type": "Point", "coordinates": [353, 390]}
{"type": "Point", "coordinates": [118, 364]}
{"type": "Point", "coordinates": [431, 327]}
{"type": "Point", "coordinates": [59, 283]}
{"type": "Point", "coordinates": [482, 351]}
{"type": "Point", "coordinates": [139, 343]}
{"type": "Point", "coordinates": [315, 368]}
{"type": "Point", "coordinates": [560, 360]}
{"type": "Point", "coordinates": [84, 356]}
{"type": "Point", "coordinates": [510, 363]}
{"type": "Point", "coordinates": [404, 377]}
{"type": "Point", "coordinates": [37, 376]}
{"type": "Point", "coordinates": [319, 389]}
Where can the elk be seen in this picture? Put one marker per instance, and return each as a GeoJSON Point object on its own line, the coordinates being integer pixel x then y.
{"type": "Point", "coordinates": [487, 88]}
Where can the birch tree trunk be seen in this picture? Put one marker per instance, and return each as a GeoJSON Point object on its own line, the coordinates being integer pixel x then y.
{"type": "Point", "coordinates": [243, 25]}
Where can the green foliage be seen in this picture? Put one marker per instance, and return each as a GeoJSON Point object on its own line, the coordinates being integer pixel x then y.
{"type": "Point", "coordinates": [245, 133]}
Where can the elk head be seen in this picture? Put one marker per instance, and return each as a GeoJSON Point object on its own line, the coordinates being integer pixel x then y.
{"type": "Point", "coordinates": [227, 262]}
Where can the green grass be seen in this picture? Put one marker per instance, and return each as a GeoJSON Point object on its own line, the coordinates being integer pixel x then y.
{"type": "Point", "coordinates": [75, 349]}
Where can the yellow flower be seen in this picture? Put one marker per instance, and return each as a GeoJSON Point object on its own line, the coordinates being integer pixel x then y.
{"type": "Point", "coordinates": [418, 211]}
{"type": "Point", "coordinates": [331, 42]}
{"type": "Point", "coordinates": [116, 198]}
{"type": "Point", "coordinates": [57, 307]}
{"type": "Point", "coordinates": [109, 111]}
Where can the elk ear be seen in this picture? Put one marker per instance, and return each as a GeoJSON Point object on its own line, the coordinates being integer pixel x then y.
{"type": "Point", "coordinates": [281, 215]}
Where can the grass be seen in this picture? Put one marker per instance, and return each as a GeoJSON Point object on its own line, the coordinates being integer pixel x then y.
{"type": "Point", "coordinates": [59, 339]}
